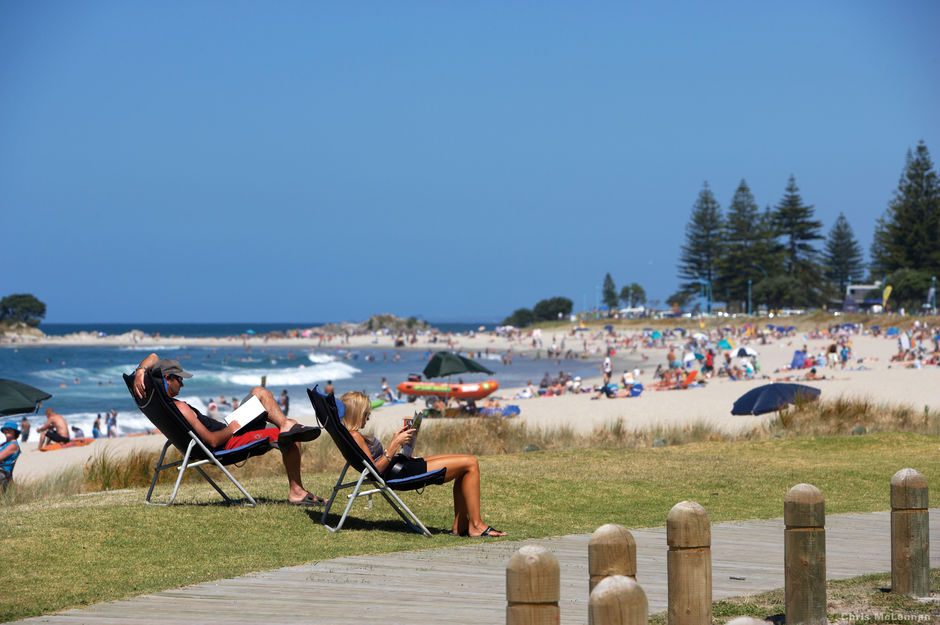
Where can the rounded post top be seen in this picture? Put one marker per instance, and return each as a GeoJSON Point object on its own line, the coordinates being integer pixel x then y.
{"type": "Point", "coordinates": [687, 525]}
{"type": "Point", "coordinates": [747, 620]}
{"type": "Point", "coordinates": [611, 551]}
{"type": "Point", "coordinates": [533, 576]}
{"type": "Point", "coordinates": [620, 586]}
{"type": "Point", "coordinates": [909, 478]}
{"type": "Point", "coordinates": [533, 556]}
{"type": "Point", "coordinates": [804, 494]}
{"type": "Point", "coordinates": [909, 490]}
{"type": "Point", "coordinates": [804, 506]}
{"type": "Point", "coordinates": [611, 533]}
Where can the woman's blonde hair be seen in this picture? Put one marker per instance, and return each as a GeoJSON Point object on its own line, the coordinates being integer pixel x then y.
{"type": "Point", "coordinates": [357, 406]}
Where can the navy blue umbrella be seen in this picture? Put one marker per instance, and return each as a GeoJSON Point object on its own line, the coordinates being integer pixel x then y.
{"type": "Point", "coordinates": [771, 397]}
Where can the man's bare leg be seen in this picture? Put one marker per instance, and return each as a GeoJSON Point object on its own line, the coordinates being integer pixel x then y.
{"type": "Point", "coordinates": [275, 415]}
{"type": "Point", "coordinates": [291, 458]}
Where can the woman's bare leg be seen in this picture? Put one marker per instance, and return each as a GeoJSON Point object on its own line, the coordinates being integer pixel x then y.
{"type": "Point", "coordinates": [464, 470]}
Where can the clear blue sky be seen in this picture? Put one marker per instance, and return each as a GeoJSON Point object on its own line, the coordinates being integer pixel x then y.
{"type": "Point", "coordinates": [302, 161]}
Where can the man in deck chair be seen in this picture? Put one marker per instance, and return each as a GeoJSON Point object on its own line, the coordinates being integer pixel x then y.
{"type": "Point", "coordinates": [287, 435]}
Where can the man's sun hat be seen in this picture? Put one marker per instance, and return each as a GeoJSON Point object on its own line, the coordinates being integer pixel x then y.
{"type": "Point", "coordinates": [172, 367]}
{"type": "Point", "coordinates": [11, 425]}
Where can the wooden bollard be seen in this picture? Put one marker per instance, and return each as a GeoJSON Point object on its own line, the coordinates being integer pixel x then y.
{"type": "Point", "coordinates": [689, 565]}
{"type": "Point", "coordinates": [910, 534]}
{"type": "Point", "coordinates": [804, 548]}
{"type": "Point", "coordinates": [618, 600]}
{"type": "Point", "coordinates": [533, 587]}
{"type": "Point", "coordinates": [611, 551]}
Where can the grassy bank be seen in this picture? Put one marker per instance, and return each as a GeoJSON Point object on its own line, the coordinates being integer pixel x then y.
{"type": "Point", "coordinates": [94, 547]}
{"type": "Point", "coordinates": [486, 437]}
{"type": "Point", "coordinates": [863, 599]}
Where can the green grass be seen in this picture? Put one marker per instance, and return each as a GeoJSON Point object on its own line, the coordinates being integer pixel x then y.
{"type": "Point", "coordinates": [73, 551]}
{"type": "Point", "coordinates": [863, 599]}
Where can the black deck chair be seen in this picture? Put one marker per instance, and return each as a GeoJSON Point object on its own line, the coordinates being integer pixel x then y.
{"type": "Point", "coordinates": [163, 413]}
{"type": "Point", "coordinates": [328, 416]}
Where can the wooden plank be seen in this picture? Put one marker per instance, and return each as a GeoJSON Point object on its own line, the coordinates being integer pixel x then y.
{"type": "Point", "coordinates": [468, 583]}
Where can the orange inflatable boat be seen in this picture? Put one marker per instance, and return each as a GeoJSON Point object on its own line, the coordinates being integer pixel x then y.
{"type": "Point", "coordinates": [75, 442]}
{"type": "Point", "coordinates": [475, 390]}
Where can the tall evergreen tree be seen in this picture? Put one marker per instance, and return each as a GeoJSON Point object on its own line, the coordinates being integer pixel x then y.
{"type": "Point", "coordinates": [908, 235]}
{"type": "Point", "coordinates": [609, 293]}
{"type": "Point", "coordinates": [843, 256]}
{"type": "Point", "coordinates": [794, 223]}
{"type": "Point", "coordinates": [748, 245]}
{"type": "Point", "coordinates": [698, 261]}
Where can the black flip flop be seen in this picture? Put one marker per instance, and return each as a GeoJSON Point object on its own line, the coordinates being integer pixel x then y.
{"type": "Point", "coordinates": [308, 500]}
{"type": "Point", "coordinates": [488, 533]}
{"type": "Point", "coordinates": [297, 434]}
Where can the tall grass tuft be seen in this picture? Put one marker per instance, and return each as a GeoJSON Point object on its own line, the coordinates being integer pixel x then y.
{"type": "Point", "coordinates": [105, 472]}
{"type": "Point", "coordinates": [838, 417]}
{"type": "Point", "coordinates": [65, 482]}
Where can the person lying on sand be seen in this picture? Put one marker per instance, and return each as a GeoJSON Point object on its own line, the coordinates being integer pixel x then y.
{"type": "Point", "coordinates": [287, 433]}
{"type": "Point", "coordinates": [809, 375]}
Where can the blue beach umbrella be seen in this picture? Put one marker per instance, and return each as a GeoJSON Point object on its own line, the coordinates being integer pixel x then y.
{"type": "Point", "coordinates": [725, 344]}
{"type": "Point", "coordinates": [656, 334]}
{"type": "Point", "coordinates": [771, 397]}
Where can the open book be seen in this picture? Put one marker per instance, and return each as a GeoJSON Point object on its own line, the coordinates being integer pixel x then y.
{"type": "Point", "coordinates": [247, 413]}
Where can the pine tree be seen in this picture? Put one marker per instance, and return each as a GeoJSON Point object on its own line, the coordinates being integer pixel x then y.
{"type": "Point", "coordinates": [698, 261]}
{"type": "Point", "coordinates": [908, 235]}
{"type": "Point", "coordinates": [794, 223]}
{"type": "Point", "coordinates": [609, 293]}
{"type": "Point", "coordinates": [843, 256]}
{"type": "Point", "coordinates": [748, 245]}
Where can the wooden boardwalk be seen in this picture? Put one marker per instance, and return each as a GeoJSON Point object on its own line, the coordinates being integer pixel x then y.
{"type": "Point", "coordinates": [467, 584]}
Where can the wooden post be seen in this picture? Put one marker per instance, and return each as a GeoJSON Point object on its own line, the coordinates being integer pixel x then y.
{"type": "Point", "coordinates": [533, 587]}
{"type": "Point", "coordinates": [804, 548]}
{"type": "Point", "coordinates": [611, 551]}
{"type": "Point", "coordinates": [910, 534]}
{"type": "Point", "coordinates": [618, 600]}
{"type": "Point", "coordinates": [689, 565]}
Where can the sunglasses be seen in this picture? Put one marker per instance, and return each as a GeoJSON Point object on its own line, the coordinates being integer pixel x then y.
{"type": "Point", "coordinates": [177, 378]}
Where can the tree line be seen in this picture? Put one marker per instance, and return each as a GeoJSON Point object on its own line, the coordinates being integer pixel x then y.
{"type": "Point", "coordinates": [780, 258]}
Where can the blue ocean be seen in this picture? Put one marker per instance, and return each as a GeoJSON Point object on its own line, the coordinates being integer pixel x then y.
{"type": "Point", "coordinates": [86, 381]}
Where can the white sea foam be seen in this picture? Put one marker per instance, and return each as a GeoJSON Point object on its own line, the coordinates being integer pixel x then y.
{"type": "Point", "coordinates": [320, 358]}
{"type": "Point", "coordinates": [293, 376]}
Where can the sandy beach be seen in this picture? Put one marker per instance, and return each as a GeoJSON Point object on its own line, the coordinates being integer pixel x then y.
{"type": "Point", "coordinates": [875, 378]}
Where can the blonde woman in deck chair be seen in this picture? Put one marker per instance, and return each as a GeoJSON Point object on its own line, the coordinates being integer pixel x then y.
{"type": "Point", "coordinates": [287, 433]}
{"type": "Point", "coordinates": [463, 469]}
